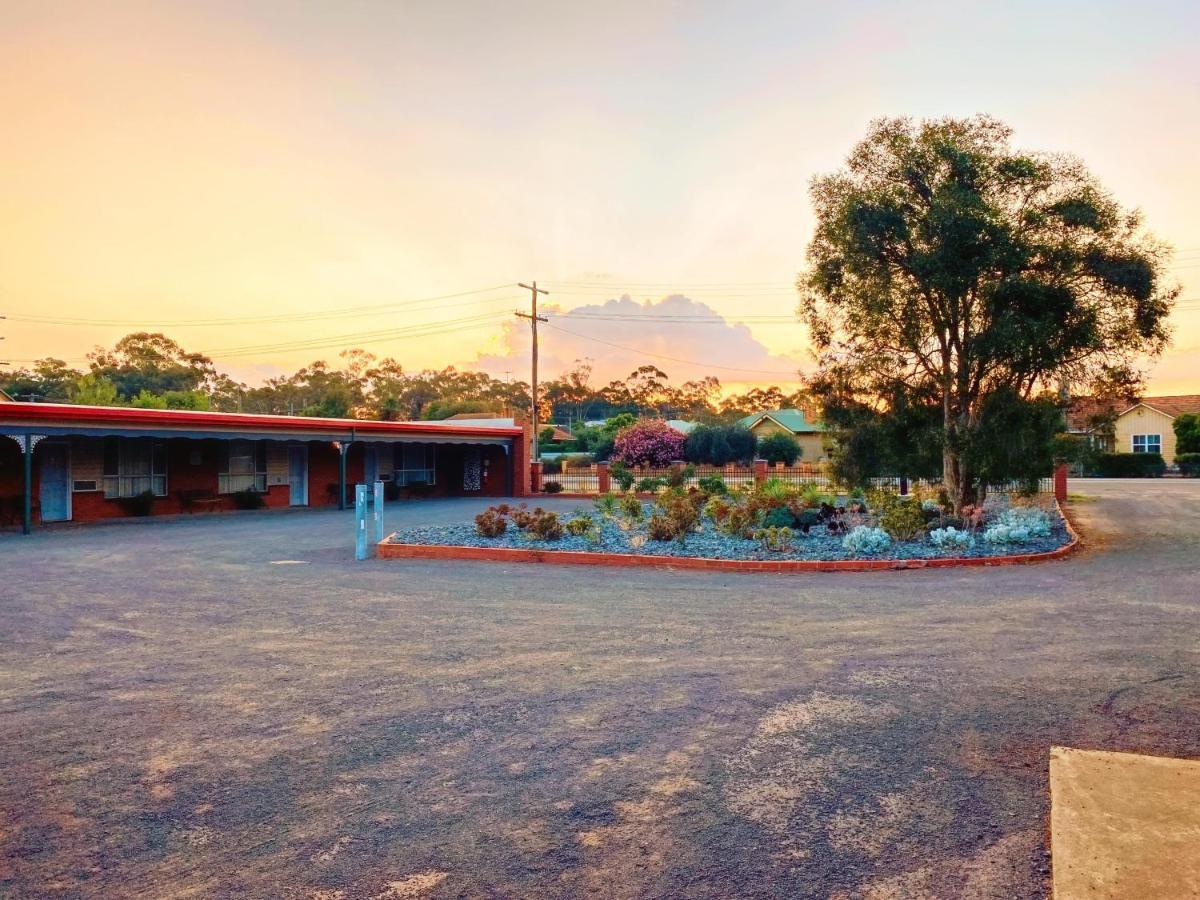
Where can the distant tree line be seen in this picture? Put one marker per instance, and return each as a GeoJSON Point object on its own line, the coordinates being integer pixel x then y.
{"type": "Point", "coordinates": [150, 370]}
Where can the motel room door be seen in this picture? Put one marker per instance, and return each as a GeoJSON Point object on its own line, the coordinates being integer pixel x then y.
{"type": "Point", "coordinates": [370, 465]}
{"type": "Point", "coordinates": [55, 492]}
{"type": "Point", "coordinates": [297, 475]}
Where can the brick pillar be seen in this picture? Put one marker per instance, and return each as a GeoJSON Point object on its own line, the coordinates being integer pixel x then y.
{"type": "Point", "coordinates": [535, 476]}
{"type": "Point", "coordinates": [760, 471]}
{"type": "Point", "coordinates": [519, 459]}
{"type": "Point", "coordinates": [602, 475]}
{"type": "Point", "coordinates": [1060, 482]}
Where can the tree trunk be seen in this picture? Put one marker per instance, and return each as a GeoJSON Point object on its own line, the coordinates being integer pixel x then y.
{"type": "Point", "coordinates": [959, 480]}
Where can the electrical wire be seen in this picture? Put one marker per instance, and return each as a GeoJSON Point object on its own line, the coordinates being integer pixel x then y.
{"type": "Point", "coordinates": [351, 311]}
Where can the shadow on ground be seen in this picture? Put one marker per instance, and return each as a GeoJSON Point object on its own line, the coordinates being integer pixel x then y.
{"type": "Point", "coordinates": [231, 707]}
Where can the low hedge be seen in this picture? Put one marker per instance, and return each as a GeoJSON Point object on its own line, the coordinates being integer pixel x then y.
{"type": "Point", "coordinates": [1130, 465]}
{"type": "Point", "coordinates": [1189, 464]}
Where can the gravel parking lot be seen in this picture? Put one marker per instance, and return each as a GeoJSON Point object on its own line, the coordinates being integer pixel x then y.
{"type": "Point", "coordinates": [232, 707]}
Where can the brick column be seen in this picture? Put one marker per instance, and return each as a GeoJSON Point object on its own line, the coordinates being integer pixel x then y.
{"type": "Point", "coordinates": [535, 476]}
{"type": "Point", "coordinates": [519, 460]}
{"type": "Point", "coordinates": [1060, 482]}
{"type": "Point", "coordinates": [602, 475]}
{"type": "Point", "coordinates": [760, 471]}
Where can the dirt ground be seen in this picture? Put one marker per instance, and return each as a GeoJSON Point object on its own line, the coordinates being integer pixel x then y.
{"type": "Point", "coordinates": [232, 707]}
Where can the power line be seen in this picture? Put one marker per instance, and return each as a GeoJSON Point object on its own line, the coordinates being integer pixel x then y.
{"type": "Point", "coordinates": [261, 320]}
{"type": "Point", "coordinates": [415, 330]}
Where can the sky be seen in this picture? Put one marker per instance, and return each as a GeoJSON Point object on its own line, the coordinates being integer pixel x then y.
{"type": "Point", "coordinates": [271, 182]}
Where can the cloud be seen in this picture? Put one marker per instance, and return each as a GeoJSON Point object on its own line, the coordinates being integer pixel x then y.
{"type": "Point", "coordinates": [685, 338]}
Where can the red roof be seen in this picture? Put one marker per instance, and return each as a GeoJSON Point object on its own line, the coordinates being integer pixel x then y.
{"type": "Point", "coordinates": [1176, 405]}
{"type": "Point", "coordinates": [1084, 409]}
{"type": "Point", "coordinates": [62, 414]}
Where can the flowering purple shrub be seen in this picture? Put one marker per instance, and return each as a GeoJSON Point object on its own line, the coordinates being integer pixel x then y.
{"type": "Point", "coordinates": [649, 442]}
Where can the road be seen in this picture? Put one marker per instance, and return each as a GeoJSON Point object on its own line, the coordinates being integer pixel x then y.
{"type": "Point", "coordinates": [232, 707]}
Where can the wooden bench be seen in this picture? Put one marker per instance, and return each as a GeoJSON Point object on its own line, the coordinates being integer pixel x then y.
{"type": "Point", "coordinates": [199, 498]}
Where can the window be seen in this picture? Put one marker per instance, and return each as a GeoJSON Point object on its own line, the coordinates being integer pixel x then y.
{"type": "Point", "coordinates": [133, 466]}
{"type": "Point", "coordinates": [415, 464]}
{"type": "Point", "coordinates": [1147, 443]}
{"type": "Point", "coordinates": [243, 467]}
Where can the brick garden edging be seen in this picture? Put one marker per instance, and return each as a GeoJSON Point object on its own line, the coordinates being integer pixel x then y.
{"type": "Point", "coordinates": [386, 550]}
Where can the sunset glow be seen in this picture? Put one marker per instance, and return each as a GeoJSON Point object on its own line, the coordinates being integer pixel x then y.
{"type": "Point", "coordinates": [291, 180]}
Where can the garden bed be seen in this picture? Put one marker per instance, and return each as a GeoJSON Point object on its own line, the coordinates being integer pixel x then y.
{"type": "Point", "coordinates": [613, 539]}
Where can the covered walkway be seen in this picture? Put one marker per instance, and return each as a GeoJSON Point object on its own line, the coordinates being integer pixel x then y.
{"type": "Point", "coordinates": [82, 463]}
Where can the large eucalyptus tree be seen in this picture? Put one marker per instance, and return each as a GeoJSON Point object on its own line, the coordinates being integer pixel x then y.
{"type": "Point", "coordinates": [948, 265]}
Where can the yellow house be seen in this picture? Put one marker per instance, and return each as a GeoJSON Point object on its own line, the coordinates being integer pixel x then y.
{"type": "Point", "coordinates": [809, 435]}
{"type": "Point", "coordinates": [1145, 425]}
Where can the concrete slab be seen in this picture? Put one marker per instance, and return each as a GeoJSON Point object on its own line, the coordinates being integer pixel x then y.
{"type": "Point", "coordinates": [1123, 825]}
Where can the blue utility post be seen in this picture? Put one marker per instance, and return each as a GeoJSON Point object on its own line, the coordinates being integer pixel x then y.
{"type": "Point", "coordinates": [377, 516]}
{"type": "Point", "coordinates": [360, 521]}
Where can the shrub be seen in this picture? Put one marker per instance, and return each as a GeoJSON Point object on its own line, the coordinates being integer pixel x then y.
{"type": "Point", "coordinates": [779, 517]}
{"type": "Point", "coordinates": [142, 504]}
{"type": "Point", "coordinates": [522, 516]}
{"type": "Point", "coordinates": [680, 512]}
{"type": "Point", "coordinates": [717, 445]}
{"type": "Point", "coordinates": [650, 484]}
{"type": "Point", "coordinates": [1036, 522]}
{"type": "Point", "coordinates": [951, 538]}
{"type": "Point", "coordinates": [545, 526]}
{"type": "Point", "coordinates": [607, 504]}
{"type": "Point", "coordinates": [660, 528]}
{"type": "Point", "coordinates": [972, 517]}
{"type": "Point", "coordinates": [580, 525]}
{"type": "Point", "coordinates": [1001, 533]}
{"type": "Point", "coordinates": [552, 466]}
{"type": "Point", "coordinates": [650, 442]}
{"type": "Point", "coordinates": [491, 523]}
{"type": "Point", "coordinates": [713, 485]}
{"type": "Point", "coordinates": [552, 487]}
{"type": "Point", "coordinates": [902, 520]}
{"type": "Point", "coordinates": [806, 519]}
{"type": "Point", "coordinates": [741, 520]}
{"type": "Point", "coordinates": [774, 539]}
{"type": "Point", "coordinates": [1130, 465]}
{"type": "Point", "coordinates": [247, 500]}
{"type": "Point", "coordinates": [620, 473]}
{"type": "Point", "coordinates": [1189, 464]}
{"type": "Point", "coordinates": [834, 518]}
{"type": "Point", "coordinates": [866, 541]}
{"type": "Point", "coordinates": [775, 490]}
{"type": "Point", "coordinates": [631, 508]}
{"type": "Point", "coordinates": [779, 447]}
{"type": "Point", "coordinates": [1187, 434]}
{"type": "Point", "coordinates": [717, 508]}
{"type": "Point", "coordinates": [812, 496]}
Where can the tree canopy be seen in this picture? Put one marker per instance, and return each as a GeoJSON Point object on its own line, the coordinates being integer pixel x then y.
{"type": "Point", "coordinates": [950, 268]}
{"type": "Point", "coordinates": [151, 370]}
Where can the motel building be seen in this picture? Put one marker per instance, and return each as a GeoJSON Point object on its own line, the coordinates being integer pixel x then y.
{"type": "Point", "coordinates": [61, 463]}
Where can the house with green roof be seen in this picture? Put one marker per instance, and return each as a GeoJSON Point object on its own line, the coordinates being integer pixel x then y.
{"type": "Point", "coordinates": [809, 435]}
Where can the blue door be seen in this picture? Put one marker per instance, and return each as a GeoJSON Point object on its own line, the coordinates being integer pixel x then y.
{"type": "Point", "coordinates": [370, 465]}
{"type": "Point", "coordinates": [298, 474]}
{"type": "Point", "coordinates": [55, 492]}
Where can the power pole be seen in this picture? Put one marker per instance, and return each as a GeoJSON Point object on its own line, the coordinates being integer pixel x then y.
{"type": "Point", "coordinates": [533, 318]}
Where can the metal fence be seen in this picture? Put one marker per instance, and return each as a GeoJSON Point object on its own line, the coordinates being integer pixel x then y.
{"type": "Point", "coordinates": [586, 479]}
{"type": "Point", "coordinates": [575, 481]}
